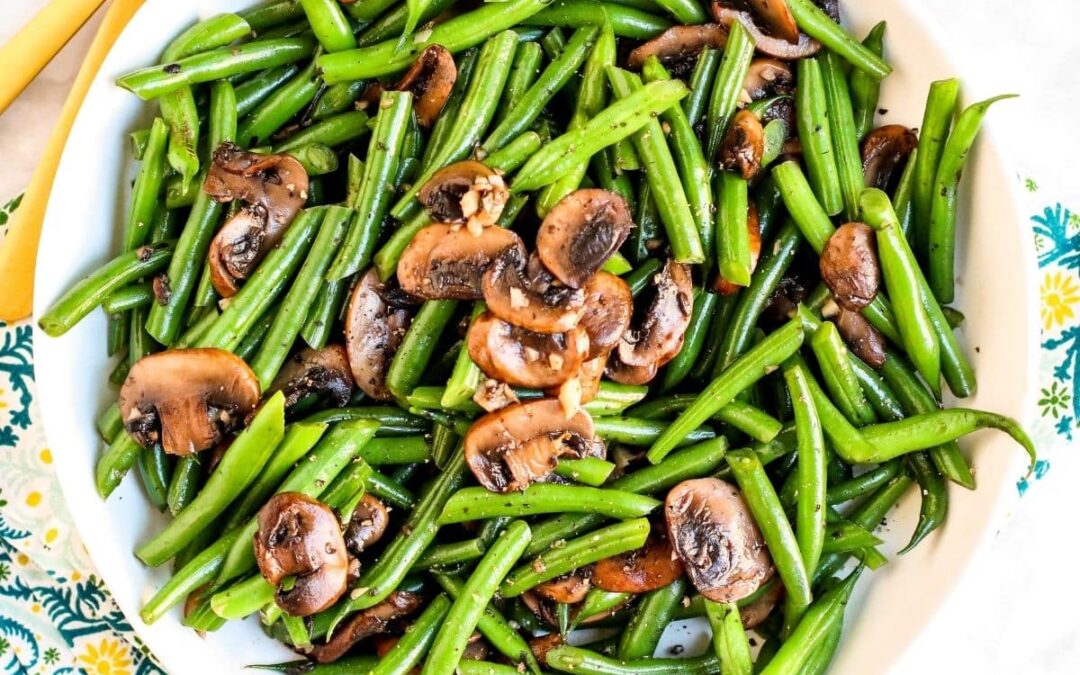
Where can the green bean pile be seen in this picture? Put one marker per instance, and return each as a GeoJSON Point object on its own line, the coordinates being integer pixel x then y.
{"type": "Point", "coordinates": [446, 329]}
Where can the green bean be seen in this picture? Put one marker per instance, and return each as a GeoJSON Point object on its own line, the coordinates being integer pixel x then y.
{"type": "Point", "coordinates": [626, 22]}
{"type": "Point", "coordinates": [387, 416]}
{"type": "Point", "coordinates": [717, 329]}
{"type": "Point", "coordinates": [329, 24]}
{"type": "Point", "coordinates": [642, 634]}
{"type": "Point", "coordinates": [678, 369]}
{"type": "Point", "coordinates": [726, 88]}
{"type": "Point", "coordinates": [685, 11]}
{"type": "Point", "coordinates": [568, 659]}
{"type": "Point", "coordinates": [901, 273]}
{"type": "Point", "coordinates": [336, 99]}
{"type": "Point", "coordinates": [935, 498]}
{"type": "Point", "coordinates": [863, 484]}
{"type": "Point", "coordinates": [92, 290]}
{"type": "Point", "coordinates": [813, 21]}
{"type": "Point", "coordinates": [729, 639]}
{"type": "Point", "coordinates": [281, 106]}
{"type": "Point", "coordinates": [198, 571]}
{"type": "Point", "coordinates": [253, 340]}
{"type": "Point", "coordinates": [155, 81]}
{"type": "Point", "coordinates": [185, 483]}
{"type": "Point", "coordinates": [332, 131]}
{"type": "Point", "coordinates": [470, 603]}
{"type": "Point", "coordinates": [412, 357]}
{"type": "Point", "coordinates": [937, 119]}
{"type": "Point", "coordinates": [445, 555]}
{"type": "Point", "coordinates": [323, 314]}
{"type": "Point", "coordinates": [252, 92]}
{"type": "Point", "coordinates": [639, 278]}
{"type": "Point", "coordinates": [660, 170]}
{"type": "Point", "coordinates": [179, 110]}
{"type": "Point", "coordinates": [317, 159]}
{"type": "Point", "coordinates": [845, 536]}
{"type": "Point", "coordinates": [466, 376]}
{"type": "Point", "coordinates": [591, 471]}
{"type": "Point", "coordinates": [688, 155]}
{"type": "Point", "coordinates": [411, 648]}
{"type": "Point", "coordinates": [816, 136]}
{"type": "Point", "coordinates": [394, 451]}
{"type": "Point", "coordinates": [469, 667]}
{"type": "Point", "coordinates": [144, 194]}
{"type": "Point", "coordinates": [845, 138]}
{"type": "Point", "coordinates": [619, 120]}
{"type": "Point", "coordinates": [647, 232]}
{"type": "Point", "coordinates": [603, 543]}
{"type": "Point", "coordinates": [239, 466]}
{"type": "Point", "coordinates": [549, 83]}
{"type": "Point", "coordinates": [139, 139]}
{"type": "Point", "coordinates": [271, 14]}
{"type": "Point", "coordinates": [624, 156]}
{"type": "Point", "coordinates": [752, 421]}
{"type": "Point", "coordinates": [742, 373]}
{"type": "Point", "coordinates": [701, 84]}
{"type": "Point", "coordinates": [444, 441]}
{"type": "Point", "coordinates": [611, 399]}
{"type": "Point", "coordinates": [154, 472]}
{"type": "Point", "coordinates": [449, 115]}
{"type": "Point", "coordinates": [838, 373]}
{"type": "Point", "coordinates": [390, 491]}
{"type": "Point", "coordinates": [903, 198]}
{"type": "Point", "coordinates": [865, 88]}
{"type": "Point", "coordinates": [765, 506]}
{"type": "Point", "coordinates": [640, 433]}
{"type": "Point", "coordinates": [942, 232]}
{"type": "Point", "coordinates": [523, 74]}
{"type": "Point", "coordinates": [732, 235]}
{"type": "Point", "coordinates": [479, 503]}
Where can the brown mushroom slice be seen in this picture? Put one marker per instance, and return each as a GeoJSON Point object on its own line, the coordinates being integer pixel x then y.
{"type": "Point", "coordinates": [659, 337]}
{"type": "Point", "coordinates": [187, 399]}
{"type": "Point", "coordinates": [373, 332]}
{"type": "Point", "coordinates": [569, 588]}
{"type": "Point", "coordinates": [541, 645]}
{"type": "Point", "coordinates": [753, 230]}
{"type": "Point", "coordinates": [592, 371]}
{"type": "Point", "coordinates": [768, 23]}
{"type": "Point", "coordinates": [367, 524]}
{"type": "Point", "coordinates": [321, 372]}
{"type": "Point", "coordinates": [525, 294]}
{"type": "Point", "coordinates": [767, 77]}
{"type": "Point", "coordinates": [465, 192]}
{"type": "Point", "coordinates": [715, 536]}
{"type": "Point", "coordinates": [494, 395]}
{"type": "Point", "coordinates": [743, 145]}
{"type": "Point", "coordinates": [757, 611]}
{"type": "Point", "coordinates": [884, 150]}
{"type": "Point", "coordinates": [648, 568]}
{"type": "Point", "coordinates": [849, 265]}
{"type": "Point", "coordinates": [621, 373]}
{"type": "Point", "coordinates": [520, 444]}
{"type": "Point", "coordinates": [273, 188]}
{"type": "Point", "coordinates": [861, 337]}
{"type": "Point", "coordinates": [365, 624]}
{"type": "Point", "coordinates": [581, 232]}
{"type": "Point", "coordinates": [445, 262]}
{"type": "Point", "coordinates": [430, 79]}
{"type": "Point", "coordinates": [523, 358]}
{"type": "Point", "coordinates": [299, 537]}
{"type": "Point", "coordinates": [609, 305]}
{"type": "Point", "coordinates": [677, 47]}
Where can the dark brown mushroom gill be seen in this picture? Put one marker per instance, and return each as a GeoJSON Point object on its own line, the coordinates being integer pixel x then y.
{"type": "Point", "coordinates": [187, 399]}
{"type": "Point", "coordinates": [525, 294]}
{"type": "Point", "coordinates": [315, 372]}
{"type": "Point", "coordinates": [374, 329]}
{"type": "Point", "coordinates": [717, 540]}
{"type": "Point", "coordinates": [659, 336]}
{"type": "Point", "coordinates": [367, 524]}
{"type": "Point", "coordinates": [849, 265]}
{"type": "Point", "coordinates": [524, 358]}
{"type": "Point", "coordinates": [465, 192]}
{"type": "Point", "coordinates": [767, 77]}
{"type": "Point", "coordinates": [447, 262]}
{"type": "Point", "coordinates": [273, 189]}
{"type": "Point", "coordinates": [430, 79]}
{"type": "Point", "coordinates": [581, 232]}
{"type": "Point", "coordinates": [299, 537]}
{"type": "Point", "coordinates": [884, 152]}
{"type": "Point", "coordinates": [771, 25]}
{"type": "Point", "coordinates": [366, 624]}
{"type": "Point", "coordinates": [678, 47]}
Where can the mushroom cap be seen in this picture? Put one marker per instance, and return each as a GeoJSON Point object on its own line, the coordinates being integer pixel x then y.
{"type": "Point", "coordinates": [300, 537]}
{"type": "Point", "coordinates": [609, 305]}
{"type": "Point", "coordinates": [677, 47]}
{"type": "Point", "coordinates": [570, 588]}
{"type": "Point", "coordinates": [757, 611]}
{"type": "Point", "coordinates": [619, 372]}
{"type": "Point", "coordinates": [187, 399]}
{"type": "Point", "coordinates": [883, 151]}
{"type": "Point", "coordinates": [525, 294]}
{"type": "Point", "coordinates": [236, 249]}
{"type": "Point", "coordinates": [445, 262]}
{"type": "Point", "coordinates": [523, 358]}
{"type": "Point", "coordinates": [753, 231]}
{"type": "Point", "coordinates": [323, 372]}
{"type": "Point", "coordinates": [521, 443]}
{"type": "Point", "coordinates": [581, 232]}
{"type": "Point", "coordinates": [716, 538]}
{"type": "Point", "coordinates": [767, 77]}
{"type": "Point", "coordinates": [365, 624]}
{"type": "Point", "coordinates": [648, 568]}
{"type": "Point", "coordinates": [367, 524]}
{"type": "Point", "coordinates": [541, 645]}
{"type": "Point", "coordinates": [849, 265]}
{"type": "Point", "coordinates": [861, 337]}
{"type": "Point", "coordinates": [430, 79]}
{"type": "Point", "coordinates": [771, 25]}
{"type": "Point", "coordinates": [743, 145]}
{"type": "Point", "coordinates": [373, 332]}
{"type": "Point", "coordinates": [660, 335]}
{"type": "Point", "coordinates": [466, 191]}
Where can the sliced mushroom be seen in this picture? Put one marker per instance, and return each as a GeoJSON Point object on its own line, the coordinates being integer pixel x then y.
{"type": "Point", "coordinates": [715, 536]}
{"type": "Point", "coordinates": [367, 524]}
{"type": "Point", "coordinates": [849, 265]}
{"type": "Point", "coordinates": [757, 611]}
{"type": "Point", "coordinates": [299, 537]}
{"type": "Point", "coordinates": [771, 25]}
{"type": "Point", "coordinates": [540, 646]}
{"type": "Point", "coordinates": [187, 399]}
{"type": "Point", "coordinates": [609, 305]}
{"type": "Point", "coordinates": [581, 232]}
{"type": "Point", "coordinates": [430, 80]}
{"type": "Point", "coordinates": [648, 568]}
{"type": "Point", "coordinates": [524, 293]}
{"type": "Point", "coordinates": [860, 335]}
{"type": "Point", "coordinates": [619, 372]}
{"type": "Point", "coordinates": [444, 262]}
{"type": "Point", "coordinates": [520, 444]}
{"type": "Point", "coordinates": [660, 335]}
{"type": "Point", "coordinates": [273, 188]}
{"type": "Point", "coordinates": [753, 230]}
{"type": "Point", "coordinates": [321, 372]}
{"type": "Point", "coordinates": [743, 145]}
{"type": "Point", "coordinates": [523, 358]}
{"type": "Point", "coordinates": [465, 192]}
{"type": "Point", "coordinates": [592, 371]}
{"type": "Point", "coordinates": [884, 150]}
{"type": "Point", "coordinates": [569, 588]}
{"type": "Point", "coordinates": [366, 624]}
{"type": "Point", "coordinates": [767, 77]}
{"type": "Point", "coordinates": [373, 331]}
{"type": "Point", "coordinates": [494, 395]}
{"type": "Point", "coordinates": [677, 47]}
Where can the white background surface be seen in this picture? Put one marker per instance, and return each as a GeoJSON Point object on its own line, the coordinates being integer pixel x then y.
{"type": "Point", "coordinates": [1015, 610]}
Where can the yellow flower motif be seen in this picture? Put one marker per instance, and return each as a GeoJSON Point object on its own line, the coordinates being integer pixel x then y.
{"type": "Point", "coordinates": [1059, 293]}
{"type": "Point", "coordinates": [109, 657]}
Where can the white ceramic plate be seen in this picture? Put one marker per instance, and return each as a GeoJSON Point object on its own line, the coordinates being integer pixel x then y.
{"type": "Point", "coordinates": [996, 291]}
